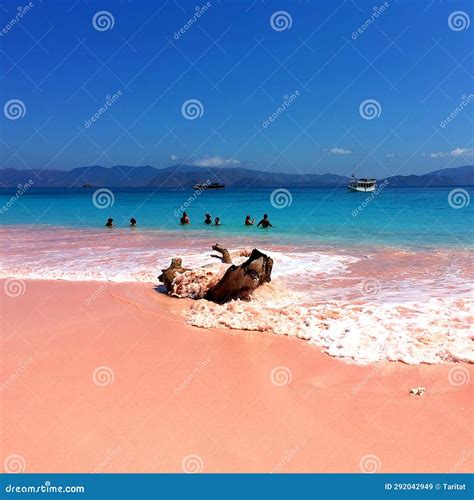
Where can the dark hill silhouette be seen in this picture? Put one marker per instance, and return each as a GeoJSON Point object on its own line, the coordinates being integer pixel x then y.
{"type": "Point", "coordinates": [185, 176]}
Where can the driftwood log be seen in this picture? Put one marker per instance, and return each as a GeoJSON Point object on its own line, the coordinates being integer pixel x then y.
{"type": "Point", "coordinates": [238, 282]}
{"type": "Point", "coordinates": [225, 255]}
{"type": "Point", "coordinates": [168, 275]}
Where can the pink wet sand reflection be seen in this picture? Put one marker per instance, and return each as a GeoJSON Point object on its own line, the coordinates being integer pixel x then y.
{"type": "Point", "coordinates": [322, 272]}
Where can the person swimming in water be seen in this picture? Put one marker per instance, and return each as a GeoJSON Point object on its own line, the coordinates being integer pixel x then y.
{"type": "Point", "coordinates": [249, 221]}
{"type": "Point", "coordinates": [208, 219]}
{"type": "Point", "coordinates": [133, 222]}
{"type": "Point", "coordinates": [217, 221]}
{"type": "Point", "coordinates": [184, 219]}
{"type": "Point", "coordinates": [264, 222]}
{"type": "Point", "coordinates": [110, 222]}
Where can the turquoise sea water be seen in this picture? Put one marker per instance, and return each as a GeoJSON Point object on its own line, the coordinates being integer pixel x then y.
{"type": "Point", "coordinates": [406, 217]}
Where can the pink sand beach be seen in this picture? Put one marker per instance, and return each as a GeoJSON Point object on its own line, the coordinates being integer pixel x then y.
{"type": "Point", "coordinates": [107, 377]}
{"type": "Point", "coordinates": [320, 154]}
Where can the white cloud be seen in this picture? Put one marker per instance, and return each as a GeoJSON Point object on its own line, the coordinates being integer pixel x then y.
{"type": "Point", "coordinates": [215, 161]}
{"type": "Point", "coordinates": [173, 157]}
{"type": "Point", "coordinates": [339, 151]}
{"type": "Point", "coordinates": [456, 153]}
{"type": "Point", "coordinates": [462, 152]}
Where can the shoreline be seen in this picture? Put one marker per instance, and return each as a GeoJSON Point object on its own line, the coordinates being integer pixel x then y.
{"type": "Point", "coordinates": [385, 305]}
{"type": "Point", "coordinates": [220, 400]}
{"type": "Point", "coordinates": [208, 234]}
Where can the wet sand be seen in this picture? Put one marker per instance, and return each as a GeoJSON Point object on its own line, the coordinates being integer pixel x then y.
{"type": "Point", "coordinates": [107, 377]}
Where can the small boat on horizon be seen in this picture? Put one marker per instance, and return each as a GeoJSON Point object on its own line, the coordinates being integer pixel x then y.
{"type": "Point", "coordinates": [362, 185]}
{"type": "Point", "coordinates": [213, 185]}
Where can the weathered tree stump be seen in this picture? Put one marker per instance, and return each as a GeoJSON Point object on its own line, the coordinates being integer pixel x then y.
{"type": "Point", "coordinates": [168, 275]}
{"type": "Point", "coordinates": [224, 252]}
{"type": "Point", "coordinates": [239, 282]}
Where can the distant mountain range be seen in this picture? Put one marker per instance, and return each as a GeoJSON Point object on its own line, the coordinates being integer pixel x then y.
{"type": "Point", "coordinates": [185, 176]}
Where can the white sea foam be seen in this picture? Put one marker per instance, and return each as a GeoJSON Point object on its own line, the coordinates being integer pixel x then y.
{"type": "Point", "coordinates": [435, 331]}
{"type": "Point", "coordinates": [143, 265]}
{"type": "Point", "coordinates": [388, 305]}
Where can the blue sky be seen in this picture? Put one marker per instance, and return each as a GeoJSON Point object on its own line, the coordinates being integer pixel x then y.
{"type": "Point", "coordinates": [415, 62]}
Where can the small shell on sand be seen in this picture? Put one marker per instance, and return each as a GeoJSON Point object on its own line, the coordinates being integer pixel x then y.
{"type": "Point", "coordinates": [418, 391]}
